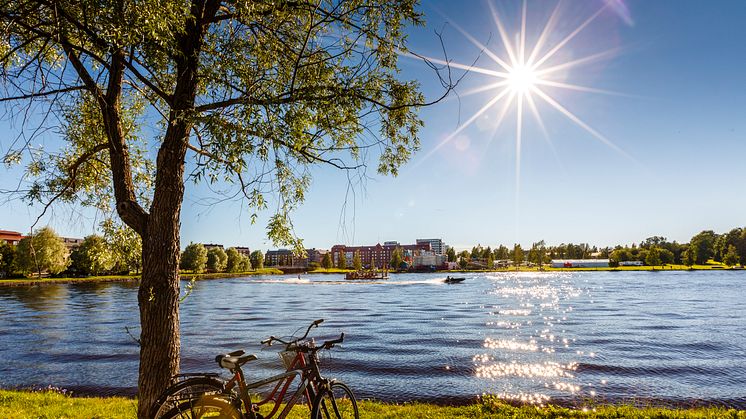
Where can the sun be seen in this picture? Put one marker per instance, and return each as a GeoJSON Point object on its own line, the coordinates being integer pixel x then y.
{"type": "Point", "coordinates": [522, 79]}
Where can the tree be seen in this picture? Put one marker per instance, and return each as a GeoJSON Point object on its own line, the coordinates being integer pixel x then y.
{"type": "Point", "coordinates": [93, 256]}
{"type": "Point", "coordinates": [216, 259]}
{"type": "Point", "coordinates": [245, 264]}
{"type": "Point", "coordinates": [463, 262]}
{"type": "Point", "coordinates": [125, 245]}
{"type": "Point", "coordinates": [7, 259]}
{"type": "Point", "coordinates": [621, 255]}
{"type": "Point", "coordinates": [724, 241]}
{"type": "Point", "coordinates": [257, 259]}
{"type": "Point", "coordinates": [517, 255]}
{"type": "Point", "coordinates": [501, 253]}
{"type": "Point", "coordinates": [687, 256]}
{"type": "Point", "coordinates": [731, 257]}
{"type": "Point", "coordinates": [396, 258]}
{"type": "Point", "coordinates": [490, 261]}
{"type": "Point", "coordinates": [194, 258]}
{"type": "Point", "coordinates": [342, 260]}
{"type": "Point", "coordinates": [326, 262]}
{"type": "Point", "coordinates": [357, 263]}
{"type": "Point", "coordinates": [476, 252]}
{"type": "Point", "coordinates": [233, 82]}
{"type": "Point", "coordinates": [537, 253]}
{"type": "Point", "coordinates": [653, 257]}
{"type": "Point", "coordinates": [702, 245]}
{"type": "Point", "coordinates": [233, 261]}
{"type": "Point", "coordinates": [741, 247]}
{"type": "Point", "coordinates": [43, 251]}
{"type": "Point", "coordinates": [667, 256]}
{"type": "Point", "coordinates": [451, 254]}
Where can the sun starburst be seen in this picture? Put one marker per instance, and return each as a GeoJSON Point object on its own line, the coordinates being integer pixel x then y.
{"type": "Point", "coordinates": [524, 76]}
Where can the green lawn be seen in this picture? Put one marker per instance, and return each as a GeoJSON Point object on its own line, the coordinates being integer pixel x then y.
{"type": "Point", "coordinates": [48, 405]}
{"type": "Point", "coordinates": [125, 278]}
{"type": "Point", "coordinates": [329, 271]}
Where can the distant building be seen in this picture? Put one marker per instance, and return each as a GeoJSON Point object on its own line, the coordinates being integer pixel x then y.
{"type": "Point", "coordinates": [243, 250]}
{"type": "Point", "coordinates": [631, 263]}
{"type": "Point", "coordinates": [580, 263]}
{"type": "Point", "coordinates": [376, 256]}
{"type": "Point", "coordinates": [428, 259]}
{"type": "Point", "coordinates": [71, 242]}
{"type": "Point", "coordinates": [279, 257]}
{"type": "Point", "coordinates": [10, 237]}
{"type": "Point", "coordinates": [436, 245]}
{"type": "Point", "coordinates": [209, 246]}
{"type": "Point", "coordinates": [316, 255]}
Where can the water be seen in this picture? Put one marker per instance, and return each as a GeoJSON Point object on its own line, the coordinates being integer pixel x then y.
{"type": "Point", "coordinates": [673, 338]}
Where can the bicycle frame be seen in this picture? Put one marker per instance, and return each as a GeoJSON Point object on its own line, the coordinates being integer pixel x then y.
{"type": "Point", "coordinates": [299, 366]}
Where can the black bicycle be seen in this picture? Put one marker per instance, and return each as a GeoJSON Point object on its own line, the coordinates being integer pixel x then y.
{"type": "Point", "coordinates": [205, 395]}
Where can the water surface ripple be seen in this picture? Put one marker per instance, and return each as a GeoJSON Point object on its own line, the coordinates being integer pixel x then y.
{"type": "Point", "coordinates": [675, 338]}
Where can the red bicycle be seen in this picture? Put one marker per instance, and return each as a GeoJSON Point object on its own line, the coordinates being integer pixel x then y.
{"type": "Point", "coordinates": [207, 396]}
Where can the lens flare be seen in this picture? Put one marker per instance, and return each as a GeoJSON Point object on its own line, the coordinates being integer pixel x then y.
{"type": "Point", "coordinates": [524, 75]}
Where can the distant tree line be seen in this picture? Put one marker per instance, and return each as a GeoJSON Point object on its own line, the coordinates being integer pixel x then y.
{"type": "Point", "coordinates": [118, 250]}
{"type": "Point", "coordinates": [727, 248]}
{"type": "Point", "coordinates": [197, 259]}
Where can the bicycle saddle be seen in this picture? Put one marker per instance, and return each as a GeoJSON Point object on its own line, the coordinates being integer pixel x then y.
{"type": "Point", "coordinates": [234, 359]}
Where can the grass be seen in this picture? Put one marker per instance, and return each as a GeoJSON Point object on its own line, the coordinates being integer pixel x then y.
{"type": "Point", "coordinates": [218, 275]}
{"type": "Point", "coordinates": [133, 277]}
{"type": "Point", "coordinates": [711, 265]}
{"type": "Point", "coordinates": [48, 405]}
{"type": "Point", "coordinates": [329, 271]}
{"type": "Point", "coordinates": [66, 280]}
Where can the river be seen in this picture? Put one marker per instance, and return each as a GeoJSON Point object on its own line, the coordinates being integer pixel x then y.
{"type": "Point", "coordinates": [674, 338]}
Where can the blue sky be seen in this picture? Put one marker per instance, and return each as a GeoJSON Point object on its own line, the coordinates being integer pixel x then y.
{"type": "Point", "coordinates": [678, 127]}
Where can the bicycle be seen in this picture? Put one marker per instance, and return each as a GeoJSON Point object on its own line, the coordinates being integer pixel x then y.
{"type": "Point", "coordinates": [205, 395]}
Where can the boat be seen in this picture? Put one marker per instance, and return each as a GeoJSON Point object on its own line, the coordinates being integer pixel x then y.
{"type": "Point", "coordinates": [452, 280]}
{"type": "Point", "coordinates": [367, 275]}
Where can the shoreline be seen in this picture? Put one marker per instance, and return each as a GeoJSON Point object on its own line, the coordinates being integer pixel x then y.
{"type": "Point", "coordinates": [50, 403]}
{"type": "Point", "coordinates": [20, 282]}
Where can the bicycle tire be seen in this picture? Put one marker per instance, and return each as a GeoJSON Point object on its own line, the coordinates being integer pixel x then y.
{"type": "Point", "coordinates": [207, 406]}
{"type": "Point", "coordinates": [183, 391]}
{"type": "Point", "coordinates": [335, 402]}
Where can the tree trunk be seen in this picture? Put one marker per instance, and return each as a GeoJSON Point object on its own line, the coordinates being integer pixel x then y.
{"type": "Point", "coordinates": [158, 295]}
{"type": "Point", "coordinates": [158, 298]}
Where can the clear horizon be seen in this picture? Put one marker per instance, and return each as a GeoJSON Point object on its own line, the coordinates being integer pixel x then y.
{"type": "Point", "coordinates": [676, 126]}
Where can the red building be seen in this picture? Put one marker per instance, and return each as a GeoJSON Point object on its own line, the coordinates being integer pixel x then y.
{"type": "Point", "coordinates": [10, 237]}
{"type": "Point", "coordinates": [377, 256]}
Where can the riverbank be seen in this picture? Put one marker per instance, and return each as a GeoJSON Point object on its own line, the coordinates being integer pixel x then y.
{"type": "Point", "coordinates": [23, 405]}
{"type": "Point", "coordinates": [133, 278]}
{"type": "Point", "coordinates": [272, 271]}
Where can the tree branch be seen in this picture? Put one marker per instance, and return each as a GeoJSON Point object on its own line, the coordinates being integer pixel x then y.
{"type": "Point", "coordinates": [72, 173]}
{"type": "Point", "coordinates": [41, 94]}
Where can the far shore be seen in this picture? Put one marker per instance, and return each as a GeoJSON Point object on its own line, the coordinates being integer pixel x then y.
{"type": "Point", "coordinates": [187, 276]}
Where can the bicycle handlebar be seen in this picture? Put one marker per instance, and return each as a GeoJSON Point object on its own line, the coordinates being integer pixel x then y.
{"type": "Point", "coordinates": [269, 340]}
{"type": "Point", "coordinates": [330, 343]}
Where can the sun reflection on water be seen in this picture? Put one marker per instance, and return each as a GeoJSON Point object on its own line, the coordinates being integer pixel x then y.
{"type": "Point", "coordinates": [547, 369]}
{"type": "Point", "coordinates": [512, 345]}
{"type": "Point", "coordinates": [527, 354]}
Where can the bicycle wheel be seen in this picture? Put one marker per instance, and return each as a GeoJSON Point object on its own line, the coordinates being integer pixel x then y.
{"type": "Point", "coordinates": [335, 402]}
{"type": "Point", "coordinates": [183, 391]}
{"type": "Point", "coordinates": [204, 407]}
